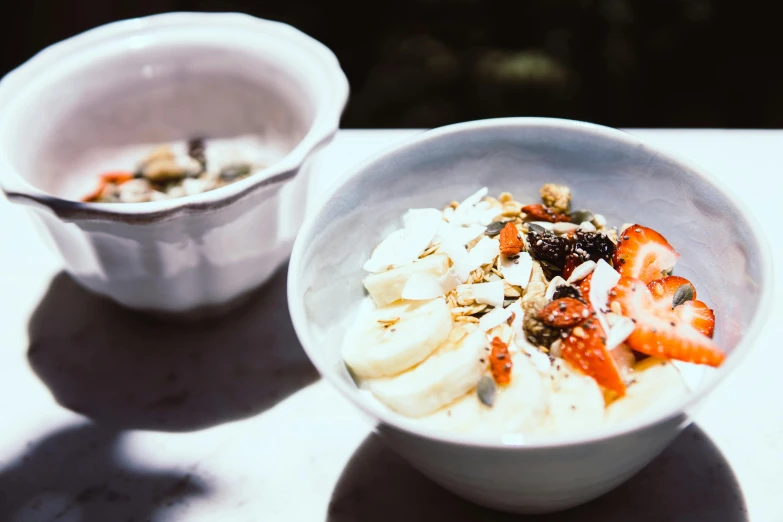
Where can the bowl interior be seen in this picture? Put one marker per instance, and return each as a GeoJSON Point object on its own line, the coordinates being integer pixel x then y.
{"type": "Point", "coordinates": [99, 108]}
{"type": "Point", "coordinates": [609, 172]}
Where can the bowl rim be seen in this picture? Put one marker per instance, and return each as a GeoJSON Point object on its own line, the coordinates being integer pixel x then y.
{"type": "Point", "coordinates": [329, 76]}
{"type": "Point", "coordinates": [296, 302]}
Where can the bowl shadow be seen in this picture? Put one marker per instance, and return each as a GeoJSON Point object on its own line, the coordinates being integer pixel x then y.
{"type": "Point", "coordinates": [690, 480]}
{"type": "Point", "coordinates": [79, 473]}
{"type": "Point", "coordinates": [134, 371]}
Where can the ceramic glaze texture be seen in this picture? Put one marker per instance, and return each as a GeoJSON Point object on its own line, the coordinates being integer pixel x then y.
{"type": "Point", "coordinates": [610, 172]}
{"type": "Point", "coordinates": [96, 99]}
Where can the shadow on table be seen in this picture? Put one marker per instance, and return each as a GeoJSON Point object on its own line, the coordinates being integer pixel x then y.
{"type": "Point", "coordinates": [77, 474]}
{"type": "Point", "coordinates": [133, 371]}
{"type": "Point", "coordinates": [690, 480]}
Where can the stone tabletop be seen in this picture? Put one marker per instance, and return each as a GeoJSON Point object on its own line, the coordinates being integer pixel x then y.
{"type": "Point", "coordinates": [107, 416]}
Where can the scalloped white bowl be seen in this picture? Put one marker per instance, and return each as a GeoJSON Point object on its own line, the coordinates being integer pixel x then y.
{"type": "Point", "coordinates": [81, 102]}
{"type": "Point", "coordinates": [609, 171]}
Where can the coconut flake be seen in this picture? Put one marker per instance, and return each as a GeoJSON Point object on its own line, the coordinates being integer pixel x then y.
{"type": "Point", "coordinates": [457, 234]}
{"type": "Point", "coordinates": [449, 281]}
{"type": "Point", "coordinates": [494, 318]}
{"type": "Point", "coordinates": [484, 213]}
{"type": "Point", "coordinates": [582, 271]}
{"type": "Point", "coordinates": [604, 279]}
{"type": "Point", "coordinates": [587, 226]}
{"type": "Point", "coordinates": [517, 271]}
{"type": "Point", "coordinates": [484, 252]}
{"type": "Point", "coordinates": [461, 263]}
{"type": "Point", "coordinates": [474, 198]}
{"type": "Point", "coordinates": [692, 374]}
{"type": "Point", "coordinates": [516, 324]}
{"type": "Point", "coordinates": [488, 293]}
{"type": "Point", "coordinates": [465, 213]}
{"type": "Point", "coordinates": [622, 328]}
{"type": "Point", "coordinates": [404, 246]}
{"type": "Point", "coordinates": [553, 284]}
{"type": "Point", "coordinates": [473, 211]}
{"type": "Point", "coordinates": [422, 287]}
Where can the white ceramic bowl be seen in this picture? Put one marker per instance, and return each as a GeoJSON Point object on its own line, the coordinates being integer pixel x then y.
{"type": "Point", "coordinates": [81, 103]}
{"type": "Point", "coordinates": [610, 172]}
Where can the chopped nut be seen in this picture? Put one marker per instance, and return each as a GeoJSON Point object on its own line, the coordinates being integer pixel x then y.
{"type": "Point", "coordinates": [505, 197]}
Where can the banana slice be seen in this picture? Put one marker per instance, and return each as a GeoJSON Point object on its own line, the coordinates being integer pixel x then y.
{"type": "Point", "coordinates": [655, 383]}
{"type": "Point", "coordinates": [576, 403]}
{"type": "Point", "coordinates": [446, 375]}
{"type": "Point", "coordinates": [386, 287]}
{"type": "Point", "coordinates": [519, 407]}
{"type": "Point", "coordinates": [387, 341]}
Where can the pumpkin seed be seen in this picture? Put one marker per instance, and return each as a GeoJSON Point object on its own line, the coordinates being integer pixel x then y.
{"type": "Point", "coordinates": [232, 172]}
{"type": "Point", "coordinates": [684, 293]}
{"type": "Point", "coordinates": [579, 216]}
{"type": "Point", "coordinates": [494, 228]}
{"type": "Point", "coordinates": [536, 228]}
{"type": "Point", "coordinates": [487, 390]}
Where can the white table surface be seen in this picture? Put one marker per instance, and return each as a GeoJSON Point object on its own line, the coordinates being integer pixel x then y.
{"type": "Point", "coordinates": [230, 422]}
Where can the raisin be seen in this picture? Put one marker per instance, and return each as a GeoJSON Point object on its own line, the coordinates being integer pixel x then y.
{"type": "Point", "coordinates": [592, 246]}
{"type": "Point", "coordinates": [548, 248]}
{"type": "Point", "coordinates": [567, 291]}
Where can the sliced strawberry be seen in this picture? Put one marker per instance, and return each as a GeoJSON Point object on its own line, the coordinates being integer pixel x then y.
{"type": "Point", "coordinates": [585, 348]}
{"type": "Point", "coordinates": [663, 289]}
{"type": "Point", "coordinates": [660, 331]}
{"type": "Point", "coordinates": [694, 312]}
{"type": "Point", "coordinates": [564, 313]}
{"type": "Point", "coordinates": [571, 263]}
{"type": "Point", "coordinates": [643, 253]}
{"type": "Point", "coordinates": [584, 287]}
{"type": "Point", "coordinates": [698, 315]}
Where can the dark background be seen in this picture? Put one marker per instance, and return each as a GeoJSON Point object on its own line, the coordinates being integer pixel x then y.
{"type": "Point", "coordinates": [424, 63]}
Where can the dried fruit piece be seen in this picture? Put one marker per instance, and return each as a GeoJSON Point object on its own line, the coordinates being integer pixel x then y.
{"type": "Point", "coordinates": [587, 351]}
{"type": "Point", "coordinates": [547, 247]}
{"type": "Point", "coordinates": [643, 253]}
{"type": "Point", "coordinates": [544, 213]}
{"type": "Point", "coordinates": [663, 332]}
{"type": "Point", "coordinates": [500, 361]}
{"type": "Point", "coordinates": [564, 313]}
{"type": "Point", "coordinates": [568, 291]}
{"type": "Point", "coordinates": [510, 242]}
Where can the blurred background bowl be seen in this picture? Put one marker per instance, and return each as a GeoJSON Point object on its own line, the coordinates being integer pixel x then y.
{"type": "Point", "coordinates": [73, 109]}
{"type": "Point", "coordinates": [611, 172]}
